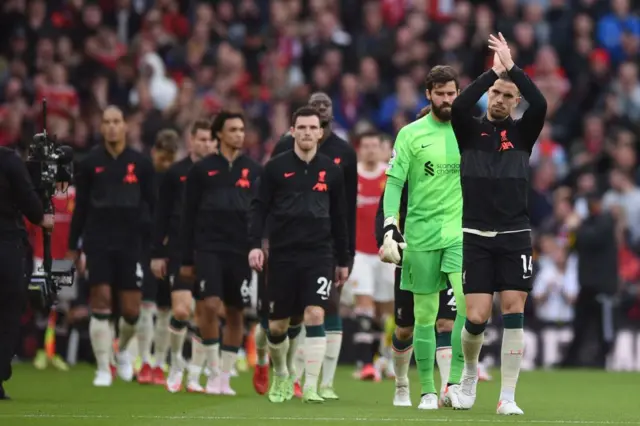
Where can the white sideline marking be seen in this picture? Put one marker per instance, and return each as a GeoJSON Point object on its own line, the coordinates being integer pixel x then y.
{"type": "Point", "coordinates": [319, 419]}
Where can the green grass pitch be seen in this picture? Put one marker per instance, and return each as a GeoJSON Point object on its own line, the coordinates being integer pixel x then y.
{"type": "Point", "coordinates": [55, 398]}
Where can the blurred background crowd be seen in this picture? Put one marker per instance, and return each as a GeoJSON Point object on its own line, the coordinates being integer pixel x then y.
{"type": "Point", "coordinates": [167, 62]}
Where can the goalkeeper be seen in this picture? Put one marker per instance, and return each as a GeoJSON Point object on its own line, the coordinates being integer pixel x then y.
{"type": "Point", "coordinates": [426, 156]}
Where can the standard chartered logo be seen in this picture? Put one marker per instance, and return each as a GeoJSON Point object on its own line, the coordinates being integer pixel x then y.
{"type": "Point", "coordinates": [428, 168]}
{"type": "Point", "coordinates": [431, 169]}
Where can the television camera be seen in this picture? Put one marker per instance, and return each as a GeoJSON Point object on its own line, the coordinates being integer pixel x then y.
{"type": "Point", "coordinates": [50, 166]}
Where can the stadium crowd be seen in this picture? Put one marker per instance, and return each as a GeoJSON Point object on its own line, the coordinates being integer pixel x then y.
{"type": "Point", "coordinates": [167, 63]}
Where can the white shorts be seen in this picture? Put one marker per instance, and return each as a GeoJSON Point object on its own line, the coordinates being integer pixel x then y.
{"type": "Point", "coordinates": [372, 277]}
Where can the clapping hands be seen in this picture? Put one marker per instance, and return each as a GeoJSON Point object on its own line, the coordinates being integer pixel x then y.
{"type": "Point", "coordinates": [502, 60]}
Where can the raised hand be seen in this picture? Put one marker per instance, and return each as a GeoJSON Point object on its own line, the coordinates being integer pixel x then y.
{"type": "Point", "coordinates": [501, 49]}
{"type": "Point", "coordinates": [497, 64]}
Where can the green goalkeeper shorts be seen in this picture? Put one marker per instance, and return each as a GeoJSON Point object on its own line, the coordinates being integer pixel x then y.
{"type": "Point", "coordinates": [425, 272]}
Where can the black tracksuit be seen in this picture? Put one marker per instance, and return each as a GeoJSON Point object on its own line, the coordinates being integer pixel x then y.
{"type": "Point", "coordinates": [344, 156]}
{"type": "Point", "coordinates": [111, 197]}
{"type": "Point", "coordinates": [17, 198]}
{"type": "Point", "coordinates": [214, 230]}
{"type": "Point", "coordinates": [166, 221]}
{"type": "Point", "coordinates": [153, 290]}
{"type": "Point", "coordinates": [112, 194]}
{"type": "Point", "coordinates": [494, 172]}
{"type": "Point", "coordinates": [216, 205]}
{"type": "Point", "coordinates": [165, 237]}
{"type": "Point", "coordinates": [494, 165]}
{"type": "Point", "coordinates": [305, 204]}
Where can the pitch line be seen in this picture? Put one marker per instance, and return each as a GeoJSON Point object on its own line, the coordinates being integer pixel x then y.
{"type": "Point", "coordinates": [319, 419]}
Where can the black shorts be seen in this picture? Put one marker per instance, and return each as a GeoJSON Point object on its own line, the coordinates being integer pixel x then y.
{"type": "Point", "coordinates": [403, 303]}
{"type": "Point", "coordinates": [262, 304]}
{"type": "Point", "coordinates": [149, 282]}
{"type": "Point", "coordinates": [295, 285]}
{"type": "Point", "coordinates": [118, 268]}
{"type": "Point", "coordinates": [447, 306]}
{"type": "Point", "coordinates": [223, 275]}
{"type": "Point", "coordinates": [156, 290]}
{"type": "Point", "coordinates": [500, 263]}
{"type": "Point", "coordinates": [403, 307]}
{"type": "Point", "coordinates": [333, 307]}
{"type": "Point", "coordinates": [174, 282]}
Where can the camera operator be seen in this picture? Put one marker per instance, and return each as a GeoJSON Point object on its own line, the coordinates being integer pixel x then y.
{"type": "Point", "coordinates": [17, 198]}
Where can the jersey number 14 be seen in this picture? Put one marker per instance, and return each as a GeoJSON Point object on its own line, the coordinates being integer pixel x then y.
{"type": "Point", "coordinates": [527, 266]}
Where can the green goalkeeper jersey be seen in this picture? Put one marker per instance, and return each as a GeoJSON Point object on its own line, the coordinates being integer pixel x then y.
{"type": "Point", "coordinates": [426, 155]}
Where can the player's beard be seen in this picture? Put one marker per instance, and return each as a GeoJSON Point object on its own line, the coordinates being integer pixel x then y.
{"type": "Point", "coordinates": [440, 111]}
{"type": "Point", "coordinates": [498, 114]}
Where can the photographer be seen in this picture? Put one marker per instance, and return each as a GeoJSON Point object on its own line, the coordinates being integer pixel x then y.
{"type": "Point", "coordinates": [17, 198]}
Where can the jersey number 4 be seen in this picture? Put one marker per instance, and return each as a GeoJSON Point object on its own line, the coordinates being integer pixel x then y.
{"type": "Point", "coordinates": [527, 266]}
{"type": "Point", "coordinates": [325, 288]}
{"type": "Point", "coordinates": [245, 291]}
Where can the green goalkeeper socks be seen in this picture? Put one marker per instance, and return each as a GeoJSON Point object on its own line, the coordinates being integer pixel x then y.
{"type": "Point", "coordinates": [424, 338]}
{"type": "Point", "coordinates": [457, 357]}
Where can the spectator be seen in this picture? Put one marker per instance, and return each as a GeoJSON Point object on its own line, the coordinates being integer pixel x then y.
{"type": "Point", "coordinates": [407, 100]}
{"type": "Point", "coordinates": [612, 26]}
{"type": "Point", "coordinates": [555, 226]}
{"type": "Point", "coordinates": [626, 89]}
{"type": "Point", "coordinates": [540, 203]}
{"type": "Point", "coordinates": [586, 184]}
{"type": "Point", "coordinates": [597, 252]}
{"type": "Point", "coordinates": [546, 149]}
{"type": "Point", "coordinates": [625, 194]}
{"type": "Point", "coordinates": [556, 288]}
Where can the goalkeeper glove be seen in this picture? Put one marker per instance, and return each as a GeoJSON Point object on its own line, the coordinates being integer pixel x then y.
{"type": "Point", "coordinates": [393, 242]}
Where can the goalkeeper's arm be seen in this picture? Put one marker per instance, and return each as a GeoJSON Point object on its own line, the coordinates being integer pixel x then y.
{"type": "Point", "coordinates": [397, 174]}
{"type": "Point", "coordinates": [392, 240]}
{"type": "Point", "coordinates": [402, 215]}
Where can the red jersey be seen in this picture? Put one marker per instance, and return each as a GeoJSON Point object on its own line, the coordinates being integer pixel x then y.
{"type": "Point", "coordinates": [370, 189]}
{"type": "Point", "coordinates": [63, 205]}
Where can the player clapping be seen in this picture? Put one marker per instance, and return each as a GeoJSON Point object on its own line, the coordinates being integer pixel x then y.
{"type": "Point", "coordinates": [497, 232]}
